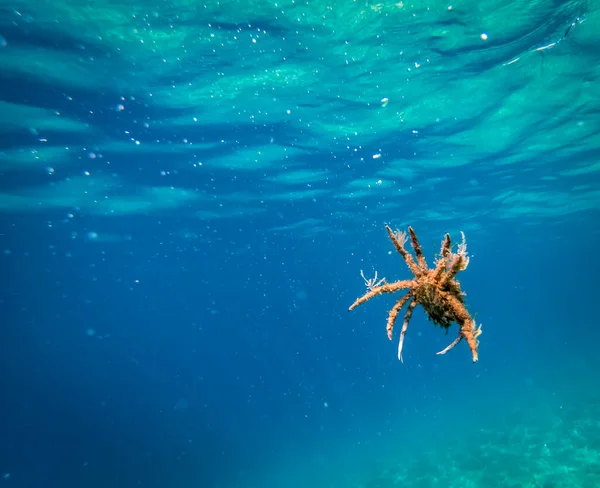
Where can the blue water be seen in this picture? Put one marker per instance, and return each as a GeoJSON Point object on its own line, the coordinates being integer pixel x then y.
{"type": "Point", "coordinates": [188, 195]}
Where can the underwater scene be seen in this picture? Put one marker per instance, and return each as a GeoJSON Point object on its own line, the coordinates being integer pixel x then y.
{"type": "Point", "coordinates": [297, 243]}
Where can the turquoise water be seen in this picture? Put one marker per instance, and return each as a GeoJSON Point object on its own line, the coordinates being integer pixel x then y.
{"type": "Point", "coordinates": [190, 193]}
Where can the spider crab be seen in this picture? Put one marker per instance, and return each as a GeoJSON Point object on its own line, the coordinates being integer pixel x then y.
{"type": "Point", "coordinates": [435, 289]}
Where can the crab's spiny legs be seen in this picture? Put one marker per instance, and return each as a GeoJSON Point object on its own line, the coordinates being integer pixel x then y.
{"type": "Point", "coordinates": [414, 242]}
{"type": "Point", "coordinates": [446, 243]}
{"type": "Point", "coordinates": [387, 288]}
{"type": "Point", "coordinates": [457, 264]}
{"type": "Point", "coordinates": [394, 314]}
{"type": "Point", "coordinates": [409, 310]}
{"type": "Point", "coordinates": [440, 265]}
{"type": "Point", "coordinates": [462, 317]}
{"type": "Point", "coordinates": [451, 346]}
{"type": "Point", "coordinates": [399, 245]}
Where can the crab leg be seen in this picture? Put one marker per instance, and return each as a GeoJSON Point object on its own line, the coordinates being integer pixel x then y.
{"type": "Point", "coordinates": [394, 314]}
{"type": "Point", "coordinates": [418, 249]}
{"type": "Point", "coordinates": [451, 346]}
{"type": "Point", "coordinates": [409, 310]}
{"type": "Point", "coordinates": [399, 241]}
{"type": "Point", "coordinates": [378, 290]}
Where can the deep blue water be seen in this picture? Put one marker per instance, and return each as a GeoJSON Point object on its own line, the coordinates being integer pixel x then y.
{"type": "Point", "coordinates": [206, 362]}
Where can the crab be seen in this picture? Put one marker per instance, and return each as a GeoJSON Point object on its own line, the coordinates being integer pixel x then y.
{"type": "Point", "coordinates": [436, 289]}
